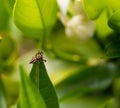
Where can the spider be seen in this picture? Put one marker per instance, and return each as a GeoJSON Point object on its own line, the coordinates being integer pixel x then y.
{"type": "Point", "coordinates": [38, 57]}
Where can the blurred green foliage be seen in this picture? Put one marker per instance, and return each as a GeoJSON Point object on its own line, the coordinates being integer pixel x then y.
{"type": "Point", "coordinates": [85, 73]}
{"type": "Point", "coordinates": [4, 16]}
{"type": "Point", "coordinates": [7, 50]}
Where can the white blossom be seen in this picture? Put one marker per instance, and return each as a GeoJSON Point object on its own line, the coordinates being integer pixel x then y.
{"type": "Point", "coordinates": [63, 6]}
{"type": "Point", "coordinates": [80, 27]}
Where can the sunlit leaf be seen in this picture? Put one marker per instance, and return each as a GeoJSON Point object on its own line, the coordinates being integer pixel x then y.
{"type": "Point", "coordinates": [93, 8]}
{"type": "Point", "coordinates": [34, 17]}
{"type": "Point", "coordinates": [102, 28]}
{"type": "Point", "coordinates": [113, 4]}
{"type": "Point", "coordinates": [30, 96]}
{"type": "Point", "coordinates": [40, 77]}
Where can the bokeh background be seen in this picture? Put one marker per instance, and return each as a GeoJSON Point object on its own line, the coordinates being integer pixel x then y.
{"type": "Point", "coordinates": [80, 41]}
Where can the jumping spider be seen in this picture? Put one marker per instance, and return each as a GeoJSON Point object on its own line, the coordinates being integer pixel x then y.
{"type": "Point", "coordinates": [37, 57]}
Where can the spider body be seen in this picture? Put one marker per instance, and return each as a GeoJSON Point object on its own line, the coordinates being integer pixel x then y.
{"type": "Point", "coordinates": [33, 60]}
{"type": "Point", "coordinates": [38, 57]}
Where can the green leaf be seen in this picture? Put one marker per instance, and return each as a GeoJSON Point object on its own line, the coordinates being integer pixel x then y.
{"type": "Point", "coordinates": [90, 79]}
{"type": "Point", "coordinates": [113, 49]}
{"type": "Point", "coordinates": [116, 89]}
{"type": "Point", "coordinates": [102, 28]}
{"type": "Point", "coordinates": [10, 5]}
{"type": "Point", "coordinates": [7, 53]}
{"type": "Point", "coordinates": [73, 50]}
{"type": "Point", "coordinates": [11, 87]}
{"type": "Point", "coordinates": [30, 96]}
{"type": "Point", "coordinates": [8, 44]}
{"type": "Point", "coordinates": [114, 21]}
{"type": "Point", "coordinates": [34, 17]}
{"type": "Point", "coordinates": [113, 4]}
{"type": "Point", "coordinates": [40, 77]}
{"type": "Point", "coordinates": [0, 38]}
{"type": "Point", "coordinates": [4, 16]}
{"type": "Point", "coordinates": [2, 96]}
{"type": "Point", "coordinates": [93, 8]}
{"type": "Point", "coordinates": [108, 104]}
{"type": "Point", "coordinates": [84, 101]}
